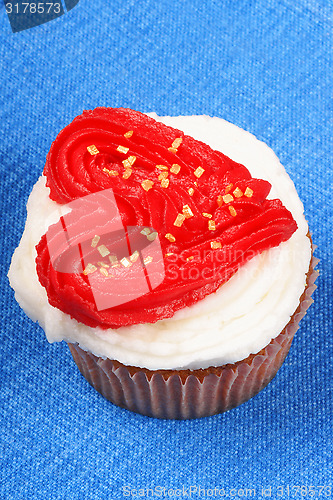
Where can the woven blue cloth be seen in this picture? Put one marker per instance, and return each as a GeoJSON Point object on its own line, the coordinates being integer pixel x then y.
{"type": "Point", "coordinates": [264, 65]}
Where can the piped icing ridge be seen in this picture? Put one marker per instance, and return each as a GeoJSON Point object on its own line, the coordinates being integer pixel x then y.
{"type": "Point", "coordinates": [208, 211]}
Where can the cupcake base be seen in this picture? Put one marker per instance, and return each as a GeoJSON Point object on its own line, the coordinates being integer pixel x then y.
{"type": "Point", "coordinates": [188, 394]}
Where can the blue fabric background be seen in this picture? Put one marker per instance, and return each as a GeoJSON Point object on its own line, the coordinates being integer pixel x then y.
{"type": "Point", "coordinates": [264, 65]}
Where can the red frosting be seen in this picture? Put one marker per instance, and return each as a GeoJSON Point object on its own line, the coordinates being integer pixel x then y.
{"type": "Point", "coordinates": [245, 224]}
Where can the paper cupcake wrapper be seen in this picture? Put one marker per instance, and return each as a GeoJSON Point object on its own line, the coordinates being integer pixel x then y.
{"type": "Point", "coordinates": [186, 394]}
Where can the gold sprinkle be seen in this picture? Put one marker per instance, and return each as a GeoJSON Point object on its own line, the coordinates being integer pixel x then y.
{"type": "Point", "coordinates": [122, 149]}
{"type": "Point", "coordinates": [238, 193]}
{"type": "Point", "coordinates": [90, 268]}
{"type": "Point", "coordinates": [175, 145]}
{"type": "Point", "coordinates": [177, 142]}
{"type": "Point", "coordinates": [147, 260]}
{"type": "Point", "coordinates": [168, 254]}
{"type": "Point", "coordinates": [190, 258]}
{"type": "Point", "coordinates": [113, 259]}
{"type": "Point", "coordinates": [103, 250]}
{"type": "Point", "coordinates": [191, 191]}
{"type": "Point", "coordinates": [232, 211]}
{"type": "Point", "coordinates": [227, 198]}
{"type": "Point", "coordinates": [92, 150]}
{"type": "Point", "coordinates": [162, 167]}
{"type": "Point", "coordinates": [195, 183]}
{"type": "Point", "coordinates": [151, 236]}
{"type": "Point", "coordinates": [104, 272]}
{"type": "Point", "coordinates": [134, 257]}
{"type": "Point", "coordinates": [215, 244]}
{"type": "Point", "coordinates": [211, 225]}
{"type": "Point", "coordinates": [125, 262]}
{"type": "Point", "coordinates": [219, 200]}
{"type": "Point", "coordinates": [145, 231]}
{"type": "Point", "coordinates": [127, 173]}
{"type": "Point", "coordinates": [179, 220]}
{"type": "Point", "coordinates": [248, 192]}
{"type": "Point", "coordinates": [228, 188]}
{"type": "Point", "coordinates": [128, 134]}
{"type": "Point", "coordinates": [170, 237]}
{"type": "Point", "coordinates": [111, 173]}
{"type": "Point", "coordinates": [95, 240]}
{"type": "Point", "coordinates": [175, 168]}
{"type": "Point", "coordinates": [147, 184]}
{"type": "Point", "coordinates": [198, 172]}
{"type": "Point", "coordinates": [103, 264]}
{"type": "Point", "coordinates": [205, 214]}
{"type": "Point", "coordinates": [163, 175]}
{"type": "Point", "coordinates": [165, 183]}
{"type": "Point", "coordinates": [129, 161]}
{"type": "Point", "coordinates": [187, 211]}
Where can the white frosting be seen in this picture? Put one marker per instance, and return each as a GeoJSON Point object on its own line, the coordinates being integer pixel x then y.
{"type": "Point", "coordinates": [241, 318]}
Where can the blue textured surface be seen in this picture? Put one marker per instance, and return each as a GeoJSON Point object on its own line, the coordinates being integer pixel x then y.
{"type": "Point", "coordinates": [263, 65]}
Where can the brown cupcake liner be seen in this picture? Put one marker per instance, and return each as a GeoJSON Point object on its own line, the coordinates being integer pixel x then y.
{"type": "Point", "coordinates": [187, 394]}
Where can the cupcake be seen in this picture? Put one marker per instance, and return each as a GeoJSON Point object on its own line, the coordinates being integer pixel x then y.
{"type": "Point", "coordinates": [171, 254]}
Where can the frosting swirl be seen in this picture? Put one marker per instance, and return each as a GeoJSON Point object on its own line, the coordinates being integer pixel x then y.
{"type": "Point", "coordinates": [211, 216]}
